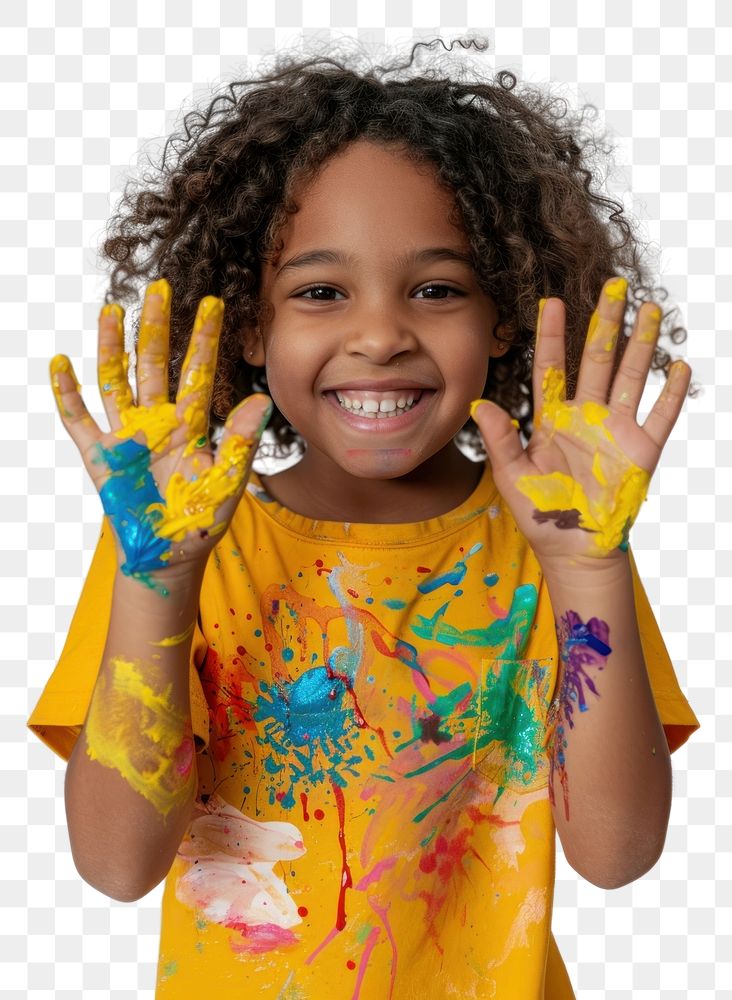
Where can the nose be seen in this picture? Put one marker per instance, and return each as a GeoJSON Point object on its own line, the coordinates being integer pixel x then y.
{"type": "Point", "coordinates": [380, 333]}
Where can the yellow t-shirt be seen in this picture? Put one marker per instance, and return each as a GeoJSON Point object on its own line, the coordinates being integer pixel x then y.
{"type": "Point", "coordinates": [369, 703]}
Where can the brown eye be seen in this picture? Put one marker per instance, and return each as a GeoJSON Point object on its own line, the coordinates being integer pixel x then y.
{"type": "Point", "coordinates": [435, 291]}
{"type": "Point", "coordinates": [319, 293]}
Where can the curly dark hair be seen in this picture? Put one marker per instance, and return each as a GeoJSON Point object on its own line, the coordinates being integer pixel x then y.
{"type": "Point", "coordinates": [518, 162]}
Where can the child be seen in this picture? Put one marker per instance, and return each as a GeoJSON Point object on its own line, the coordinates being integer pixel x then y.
{"type": "Point", "coordinates": [343, 707]}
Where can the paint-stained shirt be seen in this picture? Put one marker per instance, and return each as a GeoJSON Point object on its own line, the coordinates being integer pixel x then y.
{"type": "Point", "coordinates": [370, 707]}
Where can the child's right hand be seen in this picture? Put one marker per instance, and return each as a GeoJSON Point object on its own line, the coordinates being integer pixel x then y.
{"type": "Point", "coordinates": [166, 495]}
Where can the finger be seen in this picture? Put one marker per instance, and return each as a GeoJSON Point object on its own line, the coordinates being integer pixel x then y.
{"type": "Point", "coordinates": [112, 367]}
{"type": "Point", "coordinates": [499, 433]}
{"type": "Point", "coordinates": [602, 334]}
{"type": "Point", "coordinates": [81, 427]}
{"type": "Point", "coordinates": [630, 380]}
{"type": "Point", "coordinates": [152, 345]}
{"type": "Point", "coordinates": [222, 484]}
{"type": "Point", "coordinates": [548, 369]}
{"type": "Point", "coordinates": [660, 421]}
{"type": "Point", "coordinates": [197, 375]}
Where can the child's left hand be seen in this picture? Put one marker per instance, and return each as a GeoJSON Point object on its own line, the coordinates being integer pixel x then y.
{"type": "Point", "coordinates": [576, 489]}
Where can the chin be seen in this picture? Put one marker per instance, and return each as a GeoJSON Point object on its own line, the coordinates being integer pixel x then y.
{"type": "Point", "coordinates": [379, 463]}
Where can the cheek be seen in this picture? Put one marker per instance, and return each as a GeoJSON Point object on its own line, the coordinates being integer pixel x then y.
{"type": "Point", "coordinates": [290, 373]}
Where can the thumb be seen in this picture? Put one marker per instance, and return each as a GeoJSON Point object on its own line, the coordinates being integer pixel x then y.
{"type": "Point", "coordinates": [249, 418]}
{"type": "Point", "coordinates": [499, 433]}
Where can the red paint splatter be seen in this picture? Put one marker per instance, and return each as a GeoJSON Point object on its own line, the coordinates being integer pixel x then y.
{"type": "Point", "coordinates": [231, 611]}
{"type": "Point", "coordinates": [304, 803]}
{"type": "Point", "coordinates": [387, 580]}
{"type": "Point", "coordinates": [423, 569]}
{"type": "Point", "coordinates": [346, 880]}
{"type": "Point", "coordinates": [350, 964]}
{"type": "Point", "coordinates": [353, 593]}
{"type": "Point", "coordinates": [319, 814]}
{"type": "Point", "coordinates": [302, 911]}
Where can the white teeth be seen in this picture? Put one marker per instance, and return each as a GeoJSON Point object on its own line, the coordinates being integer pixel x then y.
{"type": "Point", "coordinates": [382, 409]}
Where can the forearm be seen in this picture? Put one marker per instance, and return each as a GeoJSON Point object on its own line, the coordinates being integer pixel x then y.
{"type": "Point", "coordinates": [610, 769]}
{"type": "Point", "coordinates": [131, 779]}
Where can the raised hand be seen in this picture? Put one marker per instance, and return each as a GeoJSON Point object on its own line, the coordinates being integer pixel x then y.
{"type": "Point", "coordinates": [167, 496]}
{"type": "Point", "coordinates": [577, 487]}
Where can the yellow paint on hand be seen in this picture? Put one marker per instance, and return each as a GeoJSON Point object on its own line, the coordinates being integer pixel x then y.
{"type": "Point", "coordinates": [113, 380]}
{"type": "Point", "coordinates": [621, 485]}
{"type": "Point", "coordinates": [153, 339]}
{"type": "Point", "coordinates": [61, 364]}
{"type": "Point", "coordinates": [542, 303]}
{"type": "Point", "coordinates": [602, 331]}
{"type": "Point", "coordinates": [156, 422]}
{"type": "Point", "coordinates": [617, 290]}
{"type": "Point", "coordinates": [192, 506]}
{"type": "Point", "coordinates": [112, 309]}
{"type": "Point", "coordinates": [136, 730]}
{"type": "Point", "coordinates": [648, 326]}
{"type": "Point", "coordinates": [474, 406]}
{"type": "Point", "coordinates": [175, 640]}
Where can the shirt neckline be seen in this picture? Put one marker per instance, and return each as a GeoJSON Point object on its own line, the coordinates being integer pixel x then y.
{"type": "Point", "coordinates": [484, 498]}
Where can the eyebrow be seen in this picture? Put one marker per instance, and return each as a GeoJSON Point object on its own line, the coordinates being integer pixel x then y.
{"type": "Point", "coordinates": [326, 256]}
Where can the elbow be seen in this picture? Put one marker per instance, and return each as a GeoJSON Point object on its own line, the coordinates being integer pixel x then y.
{"type": "Point", "coordinates": [628, 866]}
{"type": "Point", "coordinates": [125, 886]}
{"type": "Point", "coordinates": [115, 886]}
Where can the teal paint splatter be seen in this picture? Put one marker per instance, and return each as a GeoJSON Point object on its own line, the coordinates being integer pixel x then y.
{"type": "Point", "coordinates": [395, 603]}
{"type": "Point", "coordinates": [455, 576]}
{"type": "Point", "coordinates": [508, 726]}
{"type": "Point", "coordinates": [508, 634]}
{"type": "Point", "coordinates": [491, 580]}
{"type": "Point", "coordinates": [308, 732]}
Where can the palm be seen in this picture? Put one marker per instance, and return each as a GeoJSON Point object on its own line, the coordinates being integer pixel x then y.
{"type": "Point", "coordinates": [587, 466]}
{"type": "Point", "coordinates": [163, 491]}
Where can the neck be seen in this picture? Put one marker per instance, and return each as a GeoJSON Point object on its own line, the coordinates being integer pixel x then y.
{"type": "Point", "coordinates": [321, 490]}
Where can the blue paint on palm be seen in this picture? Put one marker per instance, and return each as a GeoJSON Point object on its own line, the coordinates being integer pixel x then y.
{"type": "Point", "coordinates": [126, 497]}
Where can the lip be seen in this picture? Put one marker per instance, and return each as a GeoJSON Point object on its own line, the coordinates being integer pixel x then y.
{"type": "Point", "coordinates": [385, 425]}
{"type": "Point", "coordinates": [372, 385]}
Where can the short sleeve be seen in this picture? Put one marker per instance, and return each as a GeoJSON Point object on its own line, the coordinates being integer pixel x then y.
{"type": "Point", "coordinates": [677, 718]}
{"type": "Point", "coordinates": [61, 709]}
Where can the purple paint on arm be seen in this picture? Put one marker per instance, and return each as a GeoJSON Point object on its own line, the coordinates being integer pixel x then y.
{"type": "Point", "coordinates": [581, 647]}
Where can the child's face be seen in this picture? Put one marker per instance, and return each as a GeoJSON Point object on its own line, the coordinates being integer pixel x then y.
{"type": "Point", "coordinates": [374, 301]}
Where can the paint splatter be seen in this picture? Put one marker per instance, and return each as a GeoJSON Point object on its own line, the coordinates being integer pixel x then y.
{"type": "Point", "coordinates": [230, 880]}
{"type": "Point", "coordinates": [134, 728]}
{"type": "Point", "coordinates": [580, 646]}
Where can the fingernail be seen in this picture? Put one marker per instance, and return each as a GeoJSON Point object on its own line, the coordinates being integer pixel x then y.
{"type": "Point", "coordinates": [474, 406]}
{"type": "Point", "coordinates": [112, 309]}
{"type": "Point", "coordinates": [60, 363]}
{"type": "Point", "coordinates": [616, 289]}
{"type": "Point", "coordinates": [210, 308]}
{"type": "Point", "coordinates": [250, 428]}
{"type": "Point", "coordinates": [161, 288]}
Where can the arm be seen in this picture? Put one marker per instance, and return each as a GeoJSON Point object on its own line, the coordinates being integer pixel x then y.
{"type": "Point", "coordinates": [131, 778]}
{"type": "Point", "coordinates": [128, 798]}
{"type": "Point", "coordinates": [610, 768]}
{"type": "Point", "coordinates": [575, 492]}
